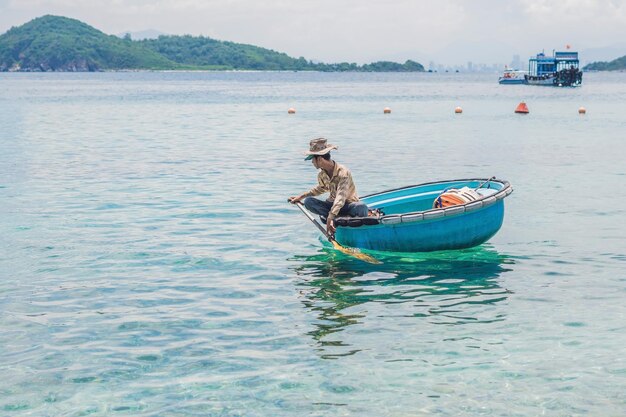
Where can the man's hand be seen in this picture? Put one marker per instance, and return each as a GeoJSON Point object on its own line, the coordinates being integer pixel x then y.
{"type": "Point", "coordinates": [296, 199]}
{"type": "Point", "coordinates": [330, 227]}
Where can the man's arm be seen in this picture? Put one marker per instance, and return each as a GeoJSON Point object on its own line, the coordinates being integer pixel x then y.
{"type": "Point", "coordinates": [320, 188]}
{"type": "Point", "coordinates": [340, 200]}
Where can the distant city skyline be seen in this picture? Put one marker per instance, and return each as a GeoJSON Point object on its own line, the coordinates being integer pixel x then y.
{"type": "Point", "coordinates": [448, 32]}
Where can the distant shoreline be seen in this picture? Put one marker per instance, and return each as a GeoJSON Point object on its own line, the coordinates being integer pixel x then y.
{"type": "Point", "coordinates": [230, 70]}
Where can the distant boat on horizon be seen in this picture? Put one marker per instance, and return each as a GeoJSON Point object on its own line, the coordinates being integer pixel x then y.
{"type": "Point", "coordinates": [512, 76]}
{"type": "Point", "coordinates": [559, 70]}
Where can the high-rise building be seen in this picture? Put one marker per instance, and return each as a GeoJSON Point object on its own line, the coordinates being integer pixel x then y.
{"type": "Point", "coordinates": [517, 62]}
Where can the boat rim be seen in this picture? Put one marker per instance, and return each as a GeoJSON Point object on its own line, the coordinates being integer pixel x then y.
{"type": "Point", "coordinates": [436, 213]}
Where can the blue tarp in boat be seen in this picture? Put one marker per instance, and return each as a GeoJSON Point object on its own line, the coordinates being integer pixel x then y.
{"type": "Point", "coordinates": [410, 224]}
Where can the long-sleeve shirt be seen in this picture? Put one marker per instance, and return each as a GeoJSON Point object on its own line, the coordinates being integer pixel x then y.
{"type": "Point", "coordinates": [340, 186]}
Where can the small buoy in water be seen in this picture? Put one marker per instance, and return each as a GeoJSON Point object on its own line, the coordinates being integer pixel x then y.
{"type": "Point", "coordinates": [386, 110]}
{"type": "Point", "coordinates": [291, 110]}
{"type": "Point", "coordinates": [582, 110]}
{"type": "Point", "coordinates": [521, 108]}
{"type": "Point", "coordinates": [458, 110]}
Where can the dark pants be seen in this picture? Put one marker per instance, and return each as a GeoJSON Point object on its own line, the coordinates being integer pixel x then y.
{"type": "Point", "coordinates": [322, 208]}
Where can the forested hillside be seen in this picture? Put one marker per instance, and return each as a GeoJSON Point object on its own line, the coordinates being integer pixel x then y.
{"type": "Point", "coordinates": [618, 64]}
{"type": "Point", "coordinates": [207, 52]}
{"type": "Point", "coordinates": [55, 43]}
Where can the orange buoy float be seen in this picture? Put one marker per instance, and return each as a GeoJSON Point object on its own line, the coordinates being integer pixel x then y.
{"type": "Point", "coordinates": [291, 110]}
{"type": "Point", "coordinates": [386, 110]}
{"type": "Point", "coordinates": [582, 110]}
{"type": "Point", "coordinates": [522, 108]}
{"type": "Point", "coordinates": [458, 110]}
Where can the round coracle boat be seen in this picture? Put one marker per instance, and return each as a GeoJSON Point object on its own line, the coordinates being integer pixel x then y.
{"type": "Point", "coordinates": [442, 215]}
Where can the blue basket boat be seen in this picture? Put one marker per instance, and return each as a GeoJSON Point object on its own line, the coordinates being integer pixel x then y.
{"type": "Point", "coordinates": [410, 224]}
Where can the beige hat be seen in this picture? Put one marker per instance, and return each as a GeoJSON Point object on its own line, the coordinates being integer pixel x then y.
{"type": "Point", "coordinates": [318, 147]}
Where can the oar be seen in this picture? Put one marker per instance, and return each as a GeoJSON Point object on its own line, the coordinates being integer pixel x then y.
{"type": "Point", "coordinates": [484, 182]}
{"type": "Point", "coordinates": [348, 251]}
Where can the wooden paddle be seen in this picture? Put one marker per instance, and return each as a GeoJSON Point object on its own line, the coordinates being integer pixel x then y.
{"type": "Point", "coordinates": [348, 251]}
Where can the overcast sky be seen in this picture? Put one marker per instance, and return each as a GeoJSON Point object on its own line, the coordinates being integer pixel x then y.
{"type": "Point", "coordinates": [444, 31]}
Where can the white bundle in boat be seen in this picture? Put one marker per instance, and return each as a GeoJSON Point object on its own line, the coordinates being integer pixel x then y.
{"type": "Point", "coordinates": [455, 197]}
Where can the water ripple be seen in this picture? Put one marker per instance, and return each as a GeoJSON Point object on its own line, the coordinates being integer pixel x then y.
{"type": "Point", "coordinates": [150, 265]}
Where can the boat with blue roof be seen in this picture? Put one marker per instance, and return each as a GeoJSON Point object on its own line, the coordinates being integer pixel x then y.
{"type": "Point", "coordinates": [562, 69]}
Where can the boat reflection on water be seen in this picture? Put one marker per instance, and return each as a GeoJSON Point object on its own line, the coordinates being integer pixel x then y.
{"type": "Point", "coordinates": [447, 287]}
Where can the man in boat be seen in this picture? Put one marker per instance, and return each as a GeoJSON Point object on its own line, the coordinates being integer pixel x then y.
{"type": "Point", "coordinates": [335, 179]}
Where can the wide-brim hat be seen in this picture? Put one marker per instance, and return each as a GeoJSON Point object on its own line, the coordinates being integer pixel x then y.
{"type": "Point", "coordinates": [318, 147]}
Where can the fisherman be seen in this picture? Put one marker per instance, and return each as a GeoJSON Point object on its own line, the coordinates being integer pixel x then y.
{"type": "Point", "coordinates": [335, 179]}
{"type": "Point", "coordinates": [572, 75]}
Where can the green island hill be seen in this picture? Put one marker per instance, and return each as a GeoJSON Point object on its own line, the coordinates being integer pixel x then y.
{"type": "Point", "coordinates": [56, 43]}
{"type": "Point", "coordinates": [618, 64]}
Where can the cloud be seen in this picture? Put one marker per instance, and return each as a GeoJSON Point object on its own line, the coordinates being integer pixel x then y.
{"type": "Point", "coordinates": [576, 10]}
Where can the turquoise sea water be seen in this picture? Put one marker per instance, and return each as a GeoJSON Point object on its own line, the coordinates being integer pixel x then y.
{"type": "Point", "coordinates": [150, 266]}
